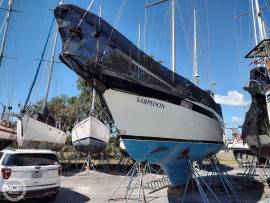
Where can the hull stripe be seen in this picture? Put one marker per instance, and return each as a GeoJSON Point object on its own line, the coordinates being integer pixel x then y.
{"type": "Point", "coordinates": [78, 140]}
{"type": "Point", "coordinates": [131, 137]}
{"type": "Point", "coordinates": [7, 131]}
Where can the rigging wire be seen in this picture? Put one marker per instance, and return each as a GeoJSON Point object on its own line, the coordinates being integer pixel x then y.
{"type": "Point", "coordinates": [200, 47]}
{"type": "Point", "coordinates": [1, 2]}
{"type": "Point", "coordinates": [145, 26]}
{"type": "Point", "coordinates": [164, 23]}
{"type": "Point", "coordinates": [236, 35]}
{"type": "Point", "coordinates": [151, 28]}
{"type": "Point", "coordinates": [39, 65]}
{"type": "Point", "coordinates": [8, 75]}
{"type": "Point", "coordinates": [186, 35]}
{"type": "Point", "coordinates": [3, 25]}
{"type": "Point", "coordinates": [115, 24]}
{"type": "Point", "coordinates": [209, 45]}
{"type": "Point", "coordinates": [85, 13]}
{"type": "Point", "coordinates": [118, 16]}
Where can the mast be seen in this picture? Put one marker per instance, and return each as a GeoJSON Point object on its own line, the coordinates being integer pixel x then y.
{"type": "Point", "coordinates": [6, 26]}
{"type": "Point", "coordinates": [139, 36]}
{"type": "Point", "coordinates": [173, 46]}
{"type": "Point", "coordinates": [254, 22]}
{"type": "Point", "coordinates": [92, 110]}
{"type": "Point", "coordinates": [195, 64]}
{"type": "Point", "coordinates": [261, 26]}
{"type": "Point", "coordinates": [51, 63]}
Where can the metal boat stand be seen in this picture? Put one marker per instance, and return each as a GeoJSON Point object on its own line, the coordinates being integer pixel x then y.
{"type": "Point", "coordinates": [134, 180]}
{"type": "Point", "coordinates": [104, 162]}
{"type": "Point", "coordinates": [193, 174]}
{"type": "Point", "coordinates": [253, 170]}
{"type": "Point", "coordinates": [224, 178]}
{"type": "Point", "coordinates": [124, 163]}
{"type": "Point", "coordinates": [68, 161]}
{"type": "Point", "coordinates": [88, 163]}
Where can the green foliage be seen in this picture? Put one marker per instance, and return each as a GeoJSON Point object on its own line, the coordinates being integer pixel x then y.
{"type": "Point", "coordinates": [112, 147]}
{"type": "Point", "coordinates": [68, 108]}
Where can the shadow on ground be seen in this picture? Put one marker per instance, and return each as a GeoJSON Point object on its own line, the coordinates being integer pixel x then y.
{"type": "Point", "coordinates": [123, 170]}
{"type": "Point", "coordinates": [65, 195]}
{"type": "Point", "coordinates": [223, 167]}
{"type": "Point", "coordinates": [246, 191]}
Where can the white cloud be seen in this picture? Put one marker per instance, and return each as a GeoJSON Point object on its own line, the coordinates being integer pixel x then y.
{"type": "Point", "coordinates": [233, 98]}
{"type": "Point", "coordinates": [236, 119]}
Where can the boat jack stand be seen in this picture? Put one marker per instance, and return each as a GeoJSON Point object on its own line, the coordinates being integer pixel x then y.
{"type": "Point", "coordinates": [194, 174]}
{"type": "Point", "coordinates": [124, 163]}
{"type": "Point", "coordinates": [252, 171]}
{"type": "Point", "coordinates": [135, 180]}
{"type": "Point", "coordinates": [104, 162]}
{"type": "Point", "coordinates": [70, 161]}
{"type": "Point", "coordinates": [88, 163]}
{"type": "Point", "coordinates": [224, 178]}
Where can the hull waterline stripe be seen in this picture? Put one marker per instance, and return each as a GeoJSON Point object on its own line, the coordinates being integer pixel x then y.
{"type": "Point", "coordinates": [8, 131]}
{"type": "Point", "coordinates": [131, 137]}
{"type": "Point", "coordinates": [78, 140]}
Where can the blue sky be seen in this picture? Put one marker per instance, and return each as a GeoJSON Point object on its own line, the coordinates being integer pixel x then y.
{"type": "Point", "coordinates": [223, 40]}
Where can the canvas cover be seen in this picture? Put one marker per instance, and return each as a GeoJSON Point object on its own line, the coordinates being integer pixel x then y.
{"type": "Point", "coordinates": [256, 120]}
{"type": "Point", "coordinates": [105, 58]}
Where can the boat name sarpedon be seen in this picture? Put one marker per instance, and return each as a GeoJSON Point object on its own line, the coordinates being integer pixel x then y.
{"type": "Point", "coordinates": [149, 102]}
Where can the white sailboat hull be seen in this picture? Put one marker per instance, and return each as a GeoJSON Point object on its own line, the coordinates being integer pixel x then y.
{"type": "Point", "coordinates": [90, 135]}
{"type": "Point", "coordinates": [240, 145]}
{"type": "Point", "coordinates": [160, 119]}
{"type": "Point", "coordinates": [7, 136]}
{"type": "Point", "coordinates": [32, 133]}
{"type": "Point", "coordinates": [163, 133]}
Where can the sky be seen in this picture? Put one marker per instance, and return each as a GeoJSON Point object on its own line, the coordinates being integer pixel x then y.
{"type": "Point", "coordinates": [223, 40]}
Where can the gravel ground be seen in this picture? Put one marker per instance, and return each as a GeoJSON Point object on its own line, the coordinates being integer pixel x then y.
{"type": "Point", "coordinates": [97, 186]}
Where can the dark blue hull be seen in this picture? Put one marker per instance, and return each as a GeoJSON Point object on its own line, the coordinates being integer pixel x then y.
{"type": "Point", "coordinates": [89, 145]}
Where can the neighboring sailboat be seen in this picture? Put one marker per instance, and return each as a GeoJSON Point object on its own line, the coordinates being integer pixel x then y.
{"type": "Point", "coordinates": [41, 130]}
{"type": "Point", "coordinates": [7, 128]}
{"type": "Point", "coordinates": [238, 146]}
{"type": "Point", "coordinates": [162, 117]}
{"type": "Point", "coordinates": [256, 127]}
{"type": "Point", "coordinates": [92, 134]}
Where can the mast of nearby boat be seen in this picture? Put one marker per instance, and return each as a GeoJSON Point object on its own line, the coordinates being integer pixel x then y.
{"type": "Point", "coordinates": [94, 91]}
{"type": "Point", "coordinates": [262, 33]}
{"type": "Point", "coordinates": [195, 64]}
{"type": "Point", "coordinates": [51, 63]}
{"type": "Point", "coordinates": [173, 30]}
{"type": "Point", "coordinates": [6, 26]}
{"type": "Point", "coordinates": [139, 36]}
{"type": "Point", "coordinates": [254, 22]}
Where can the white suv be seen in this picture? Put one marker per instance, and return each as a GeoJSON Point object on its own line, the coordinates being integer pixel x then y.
{"type": "Point", "coordinates": [27, 173]}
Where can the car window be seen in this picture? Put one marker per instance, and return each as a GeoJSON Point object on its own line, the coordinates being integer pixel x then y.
{"type": "Point", "coordinates": [1, 154]}
{"type": "Point", "coordinates": [30, 159]}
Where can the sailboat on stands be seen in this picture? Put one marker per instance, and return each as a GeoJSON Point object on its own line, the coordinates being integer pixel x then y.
{"type": "Point", "coordinates": [162, 117]}
{"type": "Point", "coordinates": [7, 128]}
{"type": "Point", "coordinates": [91, 135]}
{"type": "Point", "coordinates": [40, 130]}
{"type": "Point", "coordinates": [256, 127]}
